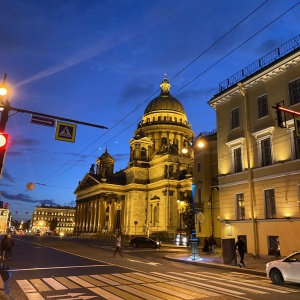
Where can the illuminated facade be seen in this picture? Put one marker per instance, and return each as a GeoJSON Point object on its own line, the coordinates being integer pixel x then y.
{"type": "Point", "coordinates": [141, 199]}
{"type": "Point", "coordinates": [207, 203]}
{"type": "Point", "coordinates": [63, 216]}
{"type": "Point", "coordinates": [5, 219]}
{"type": "Point", "coordinates": [258, 161]}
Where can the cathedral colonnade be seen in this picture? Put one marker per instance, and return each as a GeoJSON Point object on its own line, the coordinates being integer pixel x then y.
{"type": "Point", "coordinates": [99, 214]}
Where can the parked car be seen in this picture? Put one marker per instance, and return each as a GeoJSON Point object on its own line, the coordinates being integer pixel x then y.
{"type": "Point", "coordinates": [286, 269]}
{"type": "Point", "coordinates": [142, 241]}
{"type": "Point", "coordinates": [38, 232]}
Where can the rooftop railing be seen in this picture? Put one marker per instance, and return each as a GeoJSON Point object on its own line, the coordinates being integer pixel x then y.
{"type": "Point", "coordinates": [272, 56]}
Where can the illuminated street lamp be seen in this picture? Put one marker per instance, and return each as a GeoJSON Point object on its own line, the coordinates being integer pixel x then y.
{"type": "Point", "coordinates": [193, 240]}
{"type": "Point", "coordinates": [181, 207]}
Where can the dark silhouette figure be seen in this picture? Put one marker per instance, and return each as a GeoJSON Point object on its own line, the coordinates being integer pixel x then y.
{"type": "Point", "coordinates": [8, 245]}
{"type": "Point", "coordinates": [241, 248]}
{"type": "Point", "coordinates": [2, 246]}
{"type": "Point", "coordinates": [205, 248]}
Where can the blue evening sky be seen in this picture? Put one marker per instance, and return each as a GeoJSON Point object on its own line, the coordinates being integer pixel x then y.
{"type": "Point", "coordinates": [102, 62]}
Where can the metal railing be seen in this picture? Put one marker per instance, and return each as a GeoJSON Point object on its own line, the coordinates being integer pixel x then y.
{"type": "Point", "coordinates": [264, 61]}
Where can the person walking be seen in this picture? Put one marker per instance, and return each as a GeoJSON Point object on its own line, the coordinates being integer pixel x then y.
{"type": "Point", "coordinates": [118, 246]}
{"type": "Point", "coordinates": [8, 245]}
{"type": "Point", "coordinates": [212, 244]}
{"type": "Point", "coordinates": [240, 246]}
{"type": "Point", "coordinates": [205, 248]}
{"type": "Point", "coordinates": [2, 253]}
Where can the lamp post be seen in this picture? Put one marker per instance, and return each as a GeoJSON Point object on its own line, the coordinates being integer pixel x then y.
{"type": "Point", "coordinates": [194, 240]}
{"type": "Point", "coordinates": [181, 207]}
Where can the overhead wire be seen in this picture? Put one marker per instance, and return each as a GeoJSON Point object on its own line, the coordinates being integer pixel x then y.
{"type": "Point", "coordinates": [176, 75]}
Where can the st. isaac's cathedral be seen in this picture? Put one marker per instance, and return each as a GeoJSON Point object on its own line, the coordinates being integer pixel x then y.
{"type": "Point", "coordinates": [143, 198]}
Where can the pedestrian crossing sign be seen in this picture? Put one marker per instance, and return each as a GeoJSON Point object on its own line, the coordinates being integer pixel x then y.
{"type": "Point", "coordinates": [65, 132]}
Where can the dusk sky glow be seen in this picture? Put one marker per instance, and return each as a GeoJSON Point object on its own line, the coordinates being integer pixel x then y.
{"type": "Point", "coordinates": [102, 62]}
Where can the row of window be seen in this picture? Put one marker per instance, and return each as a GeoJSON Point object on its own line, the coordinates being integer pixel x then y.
{"type": "Point", "coordinates": [269, 204]}
{"type": "Point", "coordinates": [50, 219]}
{"type": "Point", "coordinates": [163, 118]}
{"type": "Point", "coordinates": [262, 104]}
{"type": "Point", "coordinates": [51, 213]}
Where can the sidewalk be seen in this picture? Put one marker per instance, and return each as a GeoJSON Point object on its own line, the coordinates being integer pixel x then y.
{"type": "Point", "coordinates": [256, 266]}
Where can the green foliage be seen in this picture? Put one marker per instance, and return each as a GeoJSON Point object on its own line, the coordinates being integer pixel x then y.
{"type": "Point", "coordinates": [188, 218]}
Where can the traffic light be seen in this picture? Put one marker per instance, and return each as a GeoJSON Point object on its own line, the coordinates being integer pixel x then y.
{"type": "Point", "coordinates": [3, 147]}
{"type": "Point", "coordinates": [279, 116]}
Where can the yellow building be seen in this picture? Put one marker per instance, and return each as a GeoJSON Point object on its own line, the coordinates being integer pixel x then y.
{"type": "Point", "coordinates": [258, 161]}
{"type": "Point", "coordinates": [206, 186]}
{"type": "Point", "coordinates": [5, 220]}
{"type": "Point", "coordinates": [143, 198]}
{"type": "Point", "coordinates": [62, 216]}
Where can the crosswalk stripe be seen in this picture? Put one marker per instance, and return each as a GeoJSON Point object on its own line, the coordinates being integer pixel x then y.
{"type": "Point", "coordinates": [103, 293]}
{"type": "Point", "coordinates": [155, 292]}
{"type": "Point", "coordinates": [143, 279]}
{"type": "Point", "coordinates": [139, 293]}
{"type": "Point", "coordinates": [128, 278]}
{"type": "Point", "coordinates": [195, 289]}
{"type": "Point", "coordinates": [120, 293]}
{"type": "Point", "coordinates": [34, 296]}
{"type": "Point", "coordinates": [115, 278]}
{"type": "Point", "coordinates": [173, 286]}
{"type": "Point", "coordinates": [106, 280]}
{"type": "Point", "coordinates": [241, 282]}
{"type": "Point", "coordinates": [215, 288]}
{"type": "Point", "coordinates": [161, 287]}
{"type": "Point", "coordinates": [66, 282]}
{"type": "Point", "coordinates": [26, 286]}
{"type": "Point", "coordinates": [93, 281]}
{"type": "Point", "coordinates": [40, 285]}
{"type": "Point", "coordinates": [152, 278]}
{"type": "Point", "coordinates": [80, 281]}
{"type": "Point", "coordinates": [55, 284]}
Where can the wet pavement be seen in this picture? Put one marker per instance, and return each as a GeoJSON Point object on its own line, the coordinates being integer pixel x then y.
{"type": "Point", "coordinates": [253, 265]}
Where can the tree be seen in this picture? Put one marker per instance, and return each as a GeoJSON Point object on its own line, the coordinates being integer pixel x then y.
{"type": "Point", "coordinates": [188, 218]}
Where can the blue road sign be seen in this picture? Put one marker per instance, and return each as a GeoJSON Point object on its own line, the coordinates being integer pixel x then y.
{"type": "Point", "coordinates": [42, 121]}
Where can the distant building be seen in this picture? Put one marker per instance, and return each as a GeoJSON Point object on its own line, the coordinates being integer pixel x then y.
{"type": "Point", "coordinates": [62, 216]}
{"type": "Point", "coordinates": [259, 154]}
{"type": "Point", "coordinates": [5, 220]}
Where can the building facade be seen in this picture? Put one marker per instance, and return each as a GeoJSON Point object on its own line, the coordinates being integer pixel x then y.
{"type": "Point", "coordinates": [61, 217]}
{"type": "Point", "coordinates": [259, 161]}
{"type": "Point", "coordinates": [207, 203]}
{"type": "Point", "coordinates": [143, 198]}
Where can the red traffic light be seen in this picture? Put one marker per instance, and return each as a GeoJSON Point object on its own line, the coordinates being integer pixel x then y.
{"type": "Point", "coordinates": [3, 141]}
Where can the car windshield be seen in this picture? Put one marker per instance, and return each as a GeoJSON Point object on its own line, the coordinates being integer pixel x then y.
{"type": "Point", "coordinates": [293, 258]}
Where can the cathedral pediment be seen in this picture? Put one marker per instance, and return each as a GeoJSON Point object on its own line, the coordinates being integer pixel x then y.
{"type": "Point", "coordinates": [87, 182]}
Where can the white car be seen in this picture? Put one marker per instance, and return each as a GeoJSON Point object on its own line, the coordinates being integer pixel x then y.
{"type": "Point", "coordinates": [287, 269]}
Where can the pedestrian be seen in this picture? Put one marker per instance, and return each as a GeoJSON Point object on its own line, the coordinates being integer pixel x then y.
{"type": "Point", "coordinates": [118, 246]}
{"type": "Point", "coordinates": [8, 245]}
{"type": "Point", "coordinates": [205, 248]}
{"type": "Point", "coordinates": [240, 246]}
{"type": "Point", "coordinates": [2, 246]}
{"type": "Point", "coordinates": [212, 244]}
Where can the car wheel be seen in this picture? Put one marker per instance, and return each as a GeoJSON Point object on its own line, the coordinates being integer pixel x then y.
{"type": "Point", "coordinates": [276, 277]}
{"type": "Point", "coordinates": [134, 245]}
{"type": "Point", "coordinates": [154, 246]}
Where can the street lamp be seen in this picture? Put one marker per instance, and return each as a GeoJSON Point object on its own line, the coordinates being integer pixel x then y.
{"type": "Point", "coordinates": [181, 207]}
{"type": "Point", "coordinates": [193, 240]}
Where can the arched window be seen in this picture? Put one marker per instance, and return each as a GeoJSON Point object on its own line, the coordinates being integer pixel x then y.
{"type": "Point", "coordinates": [144, 154]}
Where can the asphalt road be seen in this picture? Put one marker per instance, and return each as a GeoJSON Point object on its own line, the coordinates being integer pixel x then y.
{"type": "Point", "coordinates": [56, 268]}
